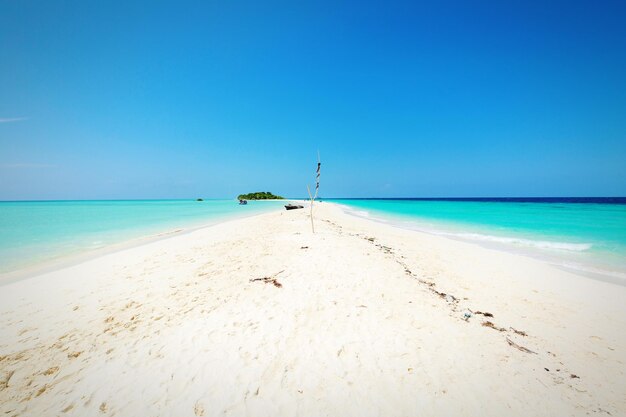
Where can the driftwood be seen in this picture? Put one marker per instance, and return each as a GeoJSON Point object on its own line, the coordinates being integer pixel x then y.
{"type": "Point", "coordinates": [518, 347]}
{"type": "Point", "coordinates": [270, 280]}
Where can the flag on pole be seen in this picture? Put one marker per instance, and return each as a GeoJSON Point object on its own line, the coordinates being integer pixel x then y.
{"type": "Point", "coordinates": [317, 177]}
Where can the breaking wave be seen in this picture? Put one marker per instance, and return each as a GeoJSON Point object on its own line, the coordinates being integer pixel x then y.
{"type": "Point", "coordinates": [541, 244]}
{"type": "Point", "coordinates": [516, 241]}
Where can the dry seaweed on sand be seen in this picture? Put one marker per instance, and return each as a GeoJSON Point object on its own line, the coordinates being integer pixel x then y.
{"type": "Point", "coordinates": [518, 347]}
{"type": "Point", "coordinates": [270, 280]}
{"type": "Point", "coordinates": [493, 326]}
{"type": "Point", "coordinates": [519, 332]}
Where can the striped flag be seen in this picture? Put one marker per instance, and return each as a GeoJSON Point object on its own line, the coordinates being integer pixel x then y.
{"type": "Point", "coordinates": [317, 178]}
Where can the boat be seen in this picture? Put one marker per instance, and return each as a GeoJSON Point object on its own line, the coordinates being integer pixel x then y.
{"type": "Point", "coordinates": [243, 202]}
{"type": "Point", "coordinates": [292, 207]}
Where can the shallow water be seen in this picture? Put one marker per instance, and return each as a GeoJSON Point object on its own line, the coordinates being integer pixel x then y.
{"type": "Point", "coordinates": [40, 231]}
{"type": "Point", "coordinates": [587, 235]}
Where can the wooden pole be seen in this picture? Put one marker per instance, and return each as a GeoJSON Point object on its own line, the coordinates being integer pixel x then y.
{"type": "Point", "coordinates": [311, 197]}
{"type": "Point", "coordinates": [317, 187]}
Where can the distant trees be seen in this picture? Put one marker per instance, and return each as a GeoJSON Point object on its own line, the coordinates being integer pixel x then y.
{"type": "Point", "coordinates": [261, 195]}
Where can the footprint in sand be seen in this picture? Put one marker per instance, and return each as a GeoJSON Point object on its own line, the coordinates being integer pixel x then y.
{"type": "Point", "coordinates": [198, 409]}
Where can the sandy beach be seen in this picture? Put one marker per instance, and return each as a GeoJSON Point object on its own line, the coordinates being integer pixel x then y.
{"type": "Point", "coordinates": [260, 317]}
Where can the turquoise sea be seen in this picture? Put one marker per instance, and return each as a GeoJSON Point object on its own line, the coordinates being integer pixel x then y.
{"type": "Point", "coordinates": [587, 235]}
{"type": "Point", "coordinates": [35, 232]}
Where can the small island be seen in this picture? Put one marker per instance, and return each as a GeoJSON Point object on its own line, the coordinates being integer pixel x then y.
{"type": "Point", "coordinates": [261, 195]}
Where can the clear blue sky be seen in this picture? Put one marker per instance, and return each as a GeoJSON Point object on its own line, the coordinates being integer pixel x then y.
{"type": "Point", "coordinates": [144, 99]}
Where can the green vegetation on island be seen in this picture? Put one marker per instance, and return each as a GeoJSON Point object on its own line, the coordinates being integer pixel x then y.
{"type": "Point", "coordinates": [261, 195]}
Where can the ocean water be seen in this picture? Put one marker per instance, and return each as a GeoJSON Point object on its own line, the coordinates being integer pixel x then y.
{"type": "Point", "coordinates": [587, 235]}
{"type": "Point", "coordinates": [35, 232]}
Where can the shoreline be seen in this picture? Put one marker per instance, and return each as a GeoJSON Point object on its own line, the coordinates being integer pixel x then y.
{"type": "Point", "coordinates": [258, 316]}
{"type": "Point", "coordinates": [82, 255]}
{"type": "Point", "coordinates": [592, 269]}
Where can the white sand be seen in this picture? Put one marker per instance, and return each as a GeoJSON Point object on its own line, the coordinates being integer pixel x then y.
{"type": "Point", "coordinates": [176, 328]}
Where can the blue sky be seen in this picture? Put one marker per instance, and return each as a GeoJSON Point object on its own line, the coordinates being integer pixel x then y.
{"type": "Point", "coordinates": [184, 99]}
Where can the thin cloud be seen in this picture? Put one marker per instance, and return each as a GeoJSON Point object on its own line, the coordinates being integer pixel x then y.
{"type": "Point", "coordinates": [27, 165]}
{"type": "Point", "coordinates": [12, 119]}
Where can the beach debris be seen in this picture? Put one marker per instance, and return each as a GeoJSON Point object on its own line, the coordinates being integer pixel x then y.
{"type": "Point", "coordinates": [519, 332]}
{"type": "Point", "coordinates": [452, 301]}
{"type": "Point", "coordinates": [304, 247]}
{"type": "Point", "coordinates": [547, 370]}
{"type": "Point", "coordinates": [574, 376]}
{"type": "Point", "coordinates": [493, 326]}
{"type": "Point", "coordinates": [270, 280]}
{"type": "Point", "coordinates": [439, 293]}
{"type": "Point", "coordinates": [518, 347]}
{"type": "Point", "coordinates": [448, 297]}
{"type": "Point", "coordinates": [430, 284]}
{"type": "Point", "coordinates": [388, 250]}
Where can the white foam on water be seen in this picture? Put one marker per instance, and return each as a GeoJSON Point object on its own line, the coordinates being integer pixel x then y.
{"type": "Point", "coordinates": [516, 241]}
{"type": "Point", "coordinates": [541, 244]}
{"type": "Point", "coordinates": [355, 212]}
{"type": "Point", "coordinates": [557, 253]}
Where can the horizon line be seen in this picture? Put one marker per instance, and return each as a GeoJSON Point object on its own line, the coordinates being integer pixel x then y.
{"type": "Point", "coordinates": [324, 198]}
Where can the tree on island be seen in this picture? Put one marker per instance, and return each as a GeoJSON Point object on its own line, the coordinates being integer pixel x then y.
{"type": "Point", "coordinates": [261, 195]}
